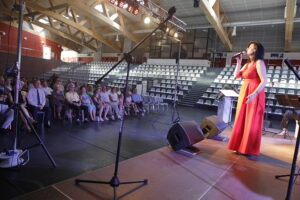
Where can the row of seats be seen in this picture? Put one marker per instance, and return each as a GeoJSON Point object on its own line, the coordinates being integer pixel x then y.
{"type": "Point", "coordinates": [165, 91]}
{"type": "Point", "coordinates": [163, 96]}
{"type": "Point", "coordinates": [284, 82]}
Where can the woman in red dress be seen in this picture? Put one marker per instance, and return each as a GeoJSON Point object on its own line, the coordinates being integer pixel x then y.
{"type": "Point", "coordinates": [247, 130]}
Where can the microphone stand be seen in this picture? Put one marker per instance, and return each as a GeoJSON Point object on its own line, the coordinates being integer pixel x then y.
{"type": "Point", "coordinates": [16, 154]}
{"type": "Point", "coordinates": [115, 182]}
{"type": "Point", "coordinates": [292, 174]}
{"type": "Point", "coordinates": [177, 119]}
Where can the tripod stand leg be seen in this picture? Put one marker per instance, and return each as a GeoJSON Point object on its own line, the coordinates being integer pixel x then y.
{"type": "Point", "coordinates": [145, 181]}
{"type": "Point", "coordinates": [286, 175]}
{"type": "Point", "coordinates": [38, 138]}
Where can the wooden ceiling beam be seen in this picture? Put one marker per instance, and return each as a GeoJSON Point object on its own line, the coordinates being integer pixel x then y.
{"type": "Point", "coordinates": [212, 10]}
{"type": "Point", "coordinates": [289, 23]}
{"type": "Point", "coordinates": [97, 16]}
{"type": "Point", "coordinates": [75, 25]}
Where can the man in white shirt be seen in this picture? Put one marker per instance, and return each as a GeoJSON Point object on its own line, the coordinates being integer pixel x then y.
{"type": "Point", "coordinates": [114, 102]}
{"type": "Point", "coordinates": [37, 102]}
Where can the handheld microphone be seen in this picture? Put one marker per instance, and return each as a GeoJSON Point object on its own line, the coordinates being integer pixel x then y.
{"type": "Point", "coordinates": [239, 54]}
{"type": "Point", "coordinates": [290, 66]}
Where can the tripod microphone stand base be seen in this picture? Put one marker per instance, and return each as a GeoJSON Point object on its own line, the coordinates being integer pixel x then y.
{"type": "Point", "coordinates": [114, 182]}
{"type": "Point", "coordinates": [13, 158]}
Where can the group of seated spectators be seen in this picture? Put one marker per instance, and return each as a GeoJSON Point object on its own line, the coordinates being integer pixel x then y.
{"type": "Point", "coordinates": [51, 99]}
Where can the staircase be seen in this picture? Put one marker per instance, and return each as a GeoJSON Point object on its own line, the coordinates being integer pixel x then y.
{"type": "Point", "coordinates": [200, 87]}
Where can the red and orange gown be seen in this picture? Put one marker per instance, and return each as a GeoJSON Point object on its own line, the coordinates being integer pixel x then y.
{"type": "Point", "coordinates": [247, 130]}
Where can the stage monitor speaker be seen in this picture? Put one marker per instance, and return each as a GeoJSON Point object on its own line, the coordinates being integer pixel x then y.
{"type": "Point", "coordinates": [212, 126]}
{"type": "Point", "coordinates": [184, 134]}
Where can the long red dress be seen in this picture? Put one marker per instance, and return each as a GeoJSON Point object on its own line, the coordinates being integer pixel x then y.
{"type": "Point", "coordinates": [247, 130]}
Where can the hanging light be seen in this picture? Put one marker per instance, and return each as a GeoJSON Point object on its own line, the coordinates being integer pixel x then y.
{"type": "Point", "coordinates": [117, 38]}
{"type": "Point", "coordinates": [146, 19]}
{"type": "Point", "coordinates": [176, 35]}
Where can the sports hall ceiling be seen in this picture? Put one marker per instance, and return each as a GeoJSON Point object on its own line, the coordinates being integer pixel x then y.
{"type": "Point", "coordinates": [77, 24]}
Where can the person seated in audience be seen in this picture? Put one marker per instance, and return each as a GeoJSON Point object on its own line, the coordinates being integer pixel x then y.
{"type": "Point", "coordinates": [114, 102]}
{"type": "Point", "coordinates": [90, 90]}
{"type": "Point", "coordinates": [6, 113]}
{"type": "Point", "coordinates": [60, 85]}
{"type": "Point", "coordinates": [73, 102]}
{"type": "Point", "coordinates": [58, 99]}
{"type": "Point", "coordinates": [37, 102]}
{"type": "Point", "coordinates": [106, 103]}
{"type": "Point", "coordinates": [287, 117]}
{"type": "Point", "coordinates": [24, 114]}
{"type": "Point", "coordinates": [8, 84]}
{"type": "Point", "coordinates": [48, 90]}
{"type": "Point", "coordinates": [98, 103]}
{"type": "Point", "coordinates": [129, 105]}
{"type": "Point", "coordinates": [138, 101]}
{"type": "Point", "coordinates": [118, 91]}
{"type": "Point", "coordinates": [121, 100]}
{"type": "Point", "coordinates": [87, 102]}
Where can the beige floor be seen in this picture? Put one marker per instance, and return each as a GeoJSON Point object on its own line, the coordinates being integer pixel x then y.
{"type": "Point", "coordinates": [214, 174]}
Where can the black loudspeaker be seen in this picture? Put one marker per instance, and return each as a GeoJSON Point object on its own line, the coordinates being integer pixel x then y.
{"type": "Point", "coordinates": [184, 134]}
{"type": "Point", "coordinates": [212, 126]}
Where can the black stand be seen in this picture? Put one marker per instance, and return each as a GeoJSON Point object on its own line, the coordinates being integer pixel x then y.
{"type": "Point", "coordinates": [15, 71]}
{"type": "Point", "coordinates": [115, 182]}
{"type": "Point", "coordinates": [292, 174]}
{"type": "Point", "coordinates": [175, 111]}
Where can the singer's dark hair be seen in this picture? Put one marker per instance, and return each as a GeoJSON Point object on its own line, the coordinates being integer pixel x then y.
{"type": "Point", "coordinates": [260, 51]}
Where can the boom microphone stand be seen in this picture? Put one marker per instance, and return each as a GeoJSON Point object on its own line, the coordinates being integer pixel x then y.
{"type": "Point", "coordinates": [14, 156]}
{"type": "Point", "coordinates": [292, 174]}
{"type": "Point", "coordinates": [115, 182]}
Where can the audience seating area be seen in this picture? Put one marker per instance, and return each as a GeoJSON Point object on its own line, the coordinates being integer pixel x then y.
{"type": "Point", "coordinates": [84, 73]}
{"type": "Point", "coordinates": [280, 81]}
{"type": "Point", "coordinates": [163, 76]}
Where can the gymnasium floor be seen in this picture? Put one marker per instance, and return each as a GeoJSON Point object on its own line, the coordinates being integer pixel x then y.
{"type": "Point", "coordinates": [89, 147]}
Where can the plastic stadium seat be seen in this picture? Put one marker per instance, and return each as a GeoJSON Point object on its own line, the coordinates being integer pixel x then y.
{"type": "Point", "coordinates": [270, 103]}
{"type": "Point", "coordinates": [291, 92]}
{"type": "Point", "coordinates": [205, 95]}
{"type": "Point", "coordinates": [207, 102]}
{"type": "Point", "coordinates": [209, 90]}
{"type": "Point", "coordinates": [273, 90]}
{"type": "Point", "coordinates": [278, 111]}
{"type": "Point", "coordinates": [281, 91]}
{"type": "Point", "coordinates": [271, 96]}
{"type": "Point", "coordinates": [268, 110]}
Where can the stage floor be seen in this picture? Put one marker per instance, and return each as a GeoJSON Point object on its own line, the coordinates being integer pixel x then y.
{"type": "Point", "coordinates": [216, 173]}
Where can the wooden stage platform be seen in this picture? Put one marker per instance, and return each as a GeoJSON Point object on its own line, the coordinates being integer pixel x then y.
{"type": "Point", "coordinates": [215, 174]}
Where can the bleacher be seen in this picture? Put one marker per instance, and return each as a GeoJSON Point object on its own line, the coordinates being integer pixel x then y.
{"type": "Point", "coordinates": [281, 80]}
{"type": "Point", "coordinates": [84, 73]}
{"type": "Point", "coordinates": [164, 76]}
